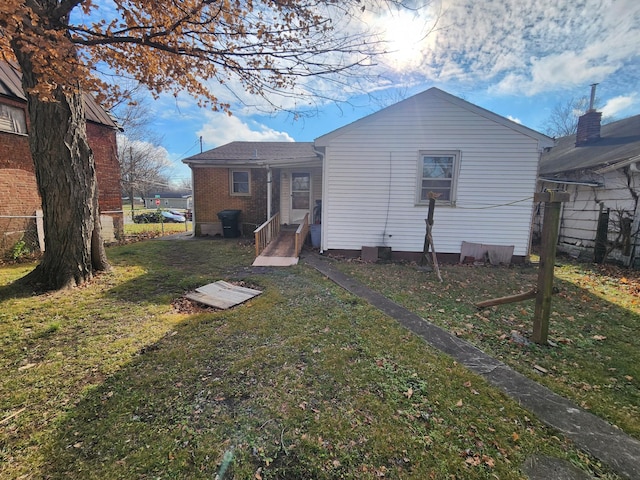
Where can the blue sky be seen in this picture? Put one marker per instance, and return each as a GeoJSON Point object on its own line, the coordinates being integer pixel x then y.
{"type": "Point", "coordinates": [517, 58]}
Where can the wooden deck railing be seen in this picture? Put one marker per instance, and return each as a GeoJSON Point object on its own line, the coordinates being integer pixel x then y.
{"type": "Point", "coordinates": [301, 234]}
{"type": "Point", "coordinates": [266, 232]}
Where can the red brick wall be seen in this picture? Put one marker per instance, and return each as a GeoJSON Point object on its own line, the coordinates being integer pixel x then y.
{"type": "Point", "coordinates": [211, 187]}
{"type": "Point", "coordinates": [14, 148]}
{"type": "Point", "coordinates": [18, 197]}
{"type": "Point", "coordinates": [105, 151]}
{"type": "Point", "coordinates": [16, 166]}
{"type": "Point", "coordinates": [18, 192]}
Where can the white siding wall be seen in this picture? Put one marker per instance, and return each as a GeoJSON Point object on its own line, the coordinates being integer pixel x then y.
{"type": "Point", "coordinates": [371, 181]}
{"type": "Point", "coordinates": [580, 214]}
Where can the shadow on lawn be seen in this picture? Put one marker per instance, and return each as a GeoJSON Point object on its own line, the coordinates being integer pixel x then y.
{"type": "Point", "coordinates": [16, 290]}
{"type": "Point", "coordinates": [169, 268]}
{"type": "Point", "coordinates": [182, 405]}
{"type": "Point", "coordinates": [168, 413]}
{"type": "Point", "coordinates": [188, 403]}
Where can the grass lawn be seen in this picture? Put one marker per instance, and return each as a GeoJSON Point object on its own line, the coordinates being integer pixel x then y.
{"type": "Point", "coordinates": [123, 379]}
{"type": "Point", "coordinates": [146, 230]}
{"type": "Point", "coordinates": [594, 325]}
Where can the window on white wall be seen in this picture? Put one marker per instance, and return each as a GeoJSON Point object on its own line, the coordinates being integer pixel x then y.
{"type": "Point", "coordinates": [437, 172]}
{"type": "Point", "coordinates": [240, 182]}
{"type": "Point", "coordinates": [12, 119]}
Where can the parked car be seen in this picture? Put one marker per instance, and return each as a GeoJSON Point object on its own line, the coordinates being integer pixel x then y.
{"type": "Point", "coordinates": [148, 217]}
{"type": "Point", "coordinates": [173, 216]}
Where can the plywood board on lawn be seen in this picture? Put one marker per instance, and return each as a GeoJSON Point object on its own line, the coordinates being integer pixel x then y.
{"type": "Point", "coordinates": [222, 294]}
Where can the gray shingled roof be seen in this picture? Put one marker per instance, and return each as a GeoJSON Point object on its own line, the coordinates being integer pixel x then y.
{"type": "Point", "coordinates": [11, 86]}
{"type": "Point", "coordinates": [258, 153]}
{"type": "Point", "coordinates": [619, 141]}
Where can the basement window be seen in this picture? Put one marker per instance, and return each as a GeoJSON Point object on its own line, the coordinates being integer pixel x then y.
{"type": "Point", "coordinates": [437, 173]}
{"type": "Point", "coordinates": [12, 120]}
{"type": "Point", "coordinates": [240, 182]}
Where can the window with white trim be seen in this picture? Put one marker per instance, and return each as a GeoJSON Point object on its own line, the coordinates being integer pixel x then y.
{"type": "Point", "coordinates": [240, 182]}
{"type": "Point", "coordinates": [437, 173]}
{"type": "Point", "coordinates": [12, 119]}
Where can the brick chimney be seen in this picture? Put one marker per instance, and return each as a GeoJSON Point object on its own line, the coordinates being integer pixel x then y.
{"type": "Point", "coordinates": [589, 123]}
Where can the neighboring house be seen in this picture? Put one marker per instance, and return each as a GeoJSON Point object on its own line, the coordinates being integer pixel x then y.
{"type": "Point", "coordinates": [373, 178]}
{"type": "Point", "coordinates": [600, 168]}
{"type": "Point", "coordinates": [180, 200]}
{"type": "Point", "coordinates": [19, 197]}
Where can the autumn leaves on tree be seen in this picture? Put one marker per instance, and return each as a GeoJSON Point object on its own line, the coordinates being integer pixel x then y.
{"type": "Point", "coordinates": [66, 47]}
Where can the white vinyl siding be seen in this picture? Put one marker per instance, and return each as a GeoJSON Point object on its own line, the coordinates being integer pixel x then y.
{"type": "Point", "coordinates": [579, 219]}
{"type": "Point", "coordinates": [370, 179]}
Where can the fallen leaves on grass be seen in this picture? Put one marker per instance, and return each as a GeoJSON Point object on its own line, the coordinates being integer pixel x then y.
{"type": "Point", "coordinates": [186, 306]}
{"type": "Point", "coordinates": [473, 459]}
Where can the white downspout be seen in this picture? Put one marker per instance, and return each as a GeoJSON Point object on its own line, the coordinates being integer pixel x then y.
{"type": "Point", "coordinates": [193, 202]}
{"type": "Point", "coordinates": [269, 191]}
{"type": "Point", "coordinates": [324, 206]}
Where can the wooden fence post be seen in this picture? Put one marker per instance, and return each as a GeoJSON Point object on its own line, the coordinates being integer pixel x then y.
{"type": "Point", "coordinates": [602, 230]}
{"type": "Point", "coordinates": [428, 238]}
{"type": "Point", "coordinates": [552, 203]}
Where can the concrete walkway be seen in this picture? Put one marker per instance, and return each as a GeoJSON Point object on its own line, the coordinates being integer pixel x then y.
{"type": "Point", "coordinates": [590, 433]}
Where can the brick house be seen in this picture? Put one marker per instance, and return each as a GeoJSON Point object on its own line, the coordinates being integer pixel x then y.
{"type": "Point", "coordinates": [237, 176]}
{"type": "Point", "coordinates": [19, 197]}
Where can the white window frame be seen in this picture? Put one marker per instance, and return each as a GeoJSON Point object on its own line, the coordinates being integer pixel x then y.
{"type": "Point", "coordinates": [232, 183]}
{"type": "Point", "coordinates": [13, 119]}
{"type": "Point", "coordinates": [455, 154]}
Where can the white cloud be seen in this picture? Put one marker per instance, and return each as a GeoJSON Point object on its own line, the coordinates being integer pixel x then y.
{"type": "Point", "coordinates": [617, 105]}
{"type": "Point", "coordinates": [563, 70]}
{"type": "Point", "coordinates": [514, 119]}
{"type": "Point", "coordinates": [503, 49]}
{"type": "Point", "coordinates": [534, 46]}
{"type": "Point", "coordinates": [156, 151]}
{"type": "Point", "coordinates": [220, 129]}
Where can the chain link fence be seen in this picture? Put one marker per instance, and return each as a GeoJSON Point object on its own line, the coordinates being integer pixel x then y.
{"type": "Point", "coordinates": [21, 236]}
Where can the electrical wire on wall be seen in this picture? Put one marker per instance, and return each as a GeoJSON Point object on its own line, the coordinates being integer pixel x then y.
{"type": "Point", "coordinates": [386, 219]}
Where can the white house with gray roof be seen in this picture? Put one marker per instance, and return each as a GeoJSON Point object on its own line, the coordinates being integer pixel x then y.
{"type": "Point", "coordinates": [373, 178]}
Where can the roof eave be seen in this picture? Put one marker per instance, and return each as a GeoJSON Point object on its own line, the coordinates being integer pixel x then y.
{"type": "Point", "coordinates": [543, 140]}
{"type": "Point", "coordinates": [618, 164]}
{"type": "Point", "coordinates": [570, 182]}
{"type": "Point", "coordinates": [253, 163]}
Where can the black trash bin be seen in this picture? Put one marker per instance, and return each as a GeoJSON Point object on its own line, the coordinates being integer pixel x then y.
{"type": "Point", "coordinates": [229, 219]}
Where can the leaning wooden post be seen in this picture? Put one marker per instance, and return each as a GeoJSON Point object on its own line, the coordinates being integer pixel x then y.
{"type": "Point", "coordinates": [428, 238]}
{"type": "Point", "coordinates": [552, 203]}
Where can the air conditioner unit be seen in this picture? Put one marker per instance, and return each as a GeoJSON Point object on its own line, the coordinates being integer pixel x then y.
{"type": "Point", "coordinates": [634, 167]}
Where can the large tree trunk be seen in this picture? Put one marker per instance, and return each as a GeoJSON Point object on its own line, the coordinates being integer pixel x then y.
{"type": "Point", "coordinates": [66, 177]}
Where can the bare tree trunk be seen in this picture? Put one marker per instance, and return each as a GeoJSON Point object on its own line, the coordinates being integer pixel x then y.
{"type": "Point", "coordinates": [66, 178]}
